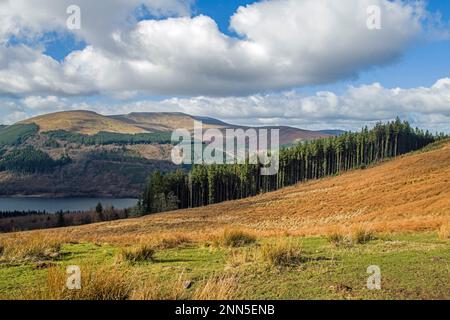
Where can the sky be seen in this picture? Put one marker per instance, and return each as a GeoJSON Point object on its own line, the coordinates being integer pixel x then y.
{"type": "Point", "coordinates": [314, 64]}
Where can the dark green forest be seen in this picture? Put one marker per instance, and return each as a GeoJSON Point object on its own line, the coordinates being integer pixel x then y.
{"type": "Point", "coordinates": [16, 134]}
{"type": "Point", "coordinates": [108, 138]}
{"type": "Point", "coordinates": [209, 184]}
{"type": "Point", "coordinates": [30, 160]}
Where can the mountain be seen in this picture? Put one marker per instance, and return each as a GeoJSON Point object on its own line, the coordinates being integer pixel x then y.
{"type": "Point", "coordinates": [165, 121]}
{"type": "Point", "coordinates": [83, 153]}
{"type": "Point", "coordinates": [90, 123]}
{"type": "Point", "coordinates": [336, 133]}
{"type": "Point", "coordinates": [85, 122]}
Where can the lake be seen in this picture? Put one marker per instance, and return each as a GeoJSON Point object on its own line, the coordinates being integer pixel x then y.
{"type": "Point", "coordinates": [65, 204]}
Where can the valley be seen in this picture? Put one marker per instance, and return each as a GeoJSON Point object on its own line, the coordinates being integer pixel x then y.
{"type": "Point", "coordinates": [110, 156]}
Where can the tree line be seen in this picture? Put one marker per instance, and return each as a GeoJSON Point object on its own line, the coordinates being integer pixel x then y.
{"type": "Point", "coordinates": [15, 221]}
{"type": "Point", "coordinates": [108, 138]}
{"type": "Point", "coordinates": [209, 184]}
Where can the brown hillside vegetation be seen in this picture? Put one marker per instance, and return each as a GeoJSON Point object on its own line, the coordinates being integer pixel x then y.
{"type": "Point", "coordinates": [411, 193]}
{"type": "Point", "coordinates": [90, 123]}
{"type": "Point", "coordinates": [85, 122]}
{"type": "Point", "coordinates": [167, 121]}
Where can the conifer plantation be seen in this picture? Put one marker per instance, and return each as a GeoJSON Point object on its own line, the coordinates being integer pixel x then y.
{"type": "Point", "coordinates": [210, 184]}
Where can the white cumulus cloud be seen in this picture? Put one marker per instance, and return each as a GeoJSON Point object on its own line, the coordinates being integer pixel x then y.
{"type": "Point", "coordinates": [280, 44]}
{"type": "Point", "coordinates": [426, 107]}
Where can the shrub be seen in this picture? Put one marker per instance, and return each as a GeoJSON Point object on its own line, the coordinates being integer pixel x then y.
{"type": "Point", "coordinates": [339, 238]}
{"type": "Point", "coordinates": [141, 253]}
{"type": "Point", "coordinates": [362, 236]}
{"type": "Point", "coordinates": [444, 232]}
{"type": "Point", "coordinates": [282, 254]}
{"type": "Point", "coordinates": [234, 239]}
{"type": "Point", "coordinates": [336, 238]}
{"type": "Point", "coordinates": [102, 283]}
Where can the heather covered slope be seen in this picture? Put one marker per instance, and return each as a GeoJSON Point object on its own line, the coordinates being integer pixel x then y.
{"type": "Point", "coordinates": [411, 193]}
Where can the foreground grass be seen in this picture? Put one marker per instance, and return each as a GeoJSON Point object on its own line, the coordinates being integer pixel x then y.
{"type": "Point", "coordinates": [413, 266]}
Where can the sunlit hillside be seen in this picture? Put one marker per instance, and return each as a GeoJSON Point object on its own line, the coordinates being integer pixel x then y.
{"type": "Point", "coordinates": [410, 193]}
{"type": "Point", "coordinates": [84, 122]}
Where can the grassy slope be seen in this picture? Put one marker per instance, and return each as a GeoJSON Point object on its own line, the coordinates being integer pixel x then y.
{"type": "Point", "coordinates": [15, 134]}
{"type": "Point", "coordinates": [85, 122]}
{"type": "Point", "coordinates": [412, 267]}
{"type": "Point", "coordinates": [411, 193]}
{"type": "Point", "coordinates": [407, 194]}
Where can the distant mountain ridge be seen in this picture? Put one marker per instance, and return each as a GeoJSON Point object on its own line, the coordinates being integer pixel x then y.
{"type": "Point", "coordinates": [88, 122]}
{"type": "Point", "coordinates": [83, 153]}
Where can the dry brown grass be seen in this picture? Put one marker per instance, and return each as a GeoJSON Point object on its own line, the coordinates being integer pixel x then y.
{"type": "Point", "coordinates": [233, 238]}
{"type": "Point", "coordinates": [350, 236]}
{"type": "Point", "coordinates": [444, 231]}
{"type": "Point", "coordinates": [283, 253]}
{"type": "Point", "coordinates": [337, 237]}
{"type": "Point", "coordinates": [85, 122]}
{"type": "Point", "coordinates": [171, 241]}
{"type": "Point", "coordinates": [153, 289]}
{"type": "Point", "coordinates": [112, 283]}
{"type": "Point", "coordinates": [217, 287]}
{"type": "Point", "coordinates": [97, 283]}
{"type": "Point", "coordinates": [411, 193]}
{"type": "Point", "coordinates": [141, 253]}
{"type": "Point", "coordinates": [362, 235]}
{"type": "Point", "coordinates": [239, 257]}
{"type": "Point", "coordinates": [33, 247]}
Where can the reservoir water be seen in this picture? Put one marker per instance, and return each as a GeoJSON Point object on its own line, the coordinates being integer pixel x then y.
{"type": "Point", "coordinates": [65, 204]}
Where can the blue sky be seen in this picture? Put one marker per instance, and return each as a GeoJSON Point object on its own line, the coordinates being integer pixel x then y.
{"type": "Point", "coordinates": [198, 69]}
{"type": "Point", "coordinates": [422, 65]}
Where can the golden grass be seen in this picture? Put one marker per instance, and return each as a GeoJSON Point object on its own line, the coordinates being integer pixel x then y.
{"type": "Point", "coordinates": [85, 122]}
{"type": "Point", "coordinates": [171, 241]}
{"type": "Point", "coordinates": [351, 236]}
{"type": "Point", "coordinates": [284, 253]}
{"type": "Point", "coordinates": [152, 289]}
{"type": "Point", "coordinates": [237, 258]}
{"type": "Point", "coordinates": [34, 247]}
{"type": "Point", "coordinates": [233, 238]}
{"type": "Point", "coordinates": [97, 283]}
{"type": "Point", "coordinates": [141, 253]}
{"type": "Point", "coordinates": [337, 237]}
{"type": "Point", "coordinates": [217, 287]}
{"type": "Point", "coordinates": [109, 282]}
{"type": "Point", "coordinates": [362, 235]}
{"type": "Point", "coordinates": [444, 232]}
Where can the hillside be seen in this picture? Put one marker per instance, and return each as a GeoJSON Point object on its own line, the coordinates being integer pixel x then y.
{"type": "Point", "coordinates": [109, 155]}
{"type": "Point", "coordinates": [90, 123]}
{"type": "Point", "coordinates": [166, 121]}
{"type": "Point", "coordinates": [410, 193]}
{"type": "Point", "coordinates": [85, 122]}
